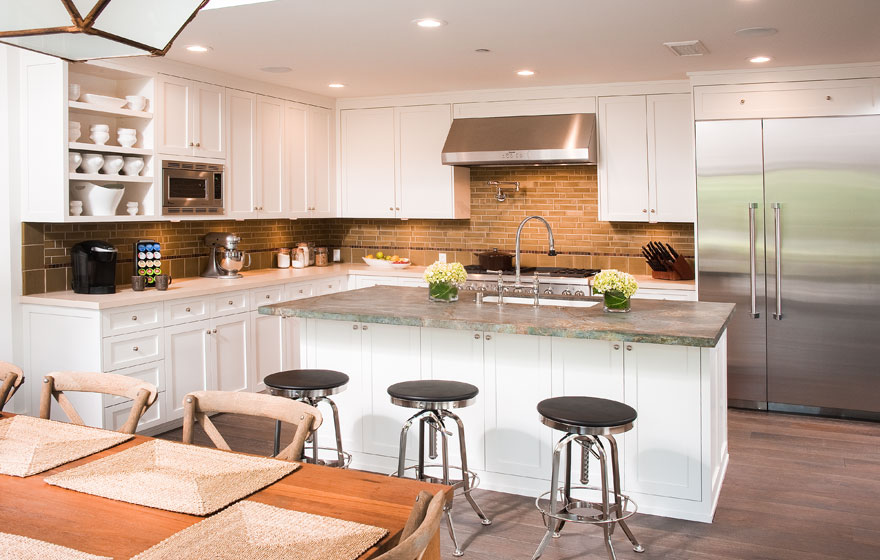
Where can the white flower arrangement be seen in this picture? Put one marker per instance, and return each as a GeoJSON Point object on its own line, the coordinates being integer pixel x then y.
{"type": "Point", "coordinates": [615, 281]}
{"type": "Point", "coordinates": [447, 273]}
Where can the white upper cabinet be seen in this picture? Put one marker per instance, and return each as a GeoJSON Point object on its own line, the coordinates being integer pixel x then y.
{"type": "Point", "coordinates": [191, 118]}
{"type": "Point", "coordinates": [368, 163]}
{"type": "Point", "coordinates": [321, 187]}
{"type": "Point", "coordinates": [423, 183]}
{"type": "Point", "coordinates": [646, 158]}
{"type": "Point", "coordinates": [241, 185]}
{"type": "Point", "coordinates": [272, 196]}
{"type": "Point", "coordinates": [296, 137]}
{"type": "Point", "coordinates": [391, 164]}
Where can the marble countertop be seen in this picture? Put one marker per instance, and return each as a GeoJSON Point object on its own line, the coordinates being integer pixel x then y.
{"type": "Point", "coordinates": [660, 322]}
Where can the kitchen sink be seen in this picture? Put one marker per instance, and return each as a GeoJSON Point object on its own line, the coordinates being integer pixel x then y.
{"type": "Point", "coordinates": [542, 301]}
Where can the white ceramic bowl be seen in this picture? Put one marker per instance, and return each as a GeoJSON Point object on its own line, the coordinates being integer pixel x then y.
{"type": "Point", "coordinates": [73, 92]}
{"type": "Point", "coordinates": [73, 133]}
{"type": "Point", "coordinates": [136, 102]}
{"type": "Point", "coordinates": [126, 131]}
{"type": "Point", "coordinates": [126, 140]}
{"type": "Point", "coordinates": [401, 265]}
{"type": "Point", "coordinates": [74, 159]}
{"type": "Point", "coordinates": [132, 165]}
{"type": "Point", "coordinates": [91, 163]}
{"type": "Point", "coordinates": [132, 210]}
{"type": "Point", "coordinates": [99, 200]}
{"type": "Point", "coordinates": [101, 127]}
{"type": "Point", "coordinates": [76, 210]}
{"type": "Point", "coordinates": [104, 101]}
{"type": "Point", "coordinates": [112, 164]}
{"type": "Point", "coordinates": [99, 137]}
{"type": "Point", "coordinates": [377, 263]}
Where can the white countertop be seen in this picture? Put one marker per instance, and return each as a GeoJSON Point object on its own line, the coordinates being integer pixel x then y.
{"type": "Point", "coordinates": [195, 287]}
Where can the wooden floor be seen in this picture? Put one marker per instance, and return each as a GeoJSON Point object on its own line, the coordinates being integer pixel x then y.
{"type": "Point", "coordinates": [797, 488]}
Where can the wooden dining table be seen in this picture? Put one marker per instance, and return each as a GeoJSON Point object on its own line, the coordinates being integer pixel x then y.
{"type": "Point", "coordinates": [105, 527]}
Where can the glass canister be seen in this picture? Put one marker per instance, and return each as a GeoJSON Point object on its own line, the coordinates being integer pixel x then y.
{"type": "Point", "coordinates": [311, 247]}
{"type": "Point", "coordinates": [309, 256]}
{"type": "Point", "coordinates": [321, 257]}
{"type": "Point", "coordinates": [283, 258]}
{"type": "Point", "coordinates": [300, 258]}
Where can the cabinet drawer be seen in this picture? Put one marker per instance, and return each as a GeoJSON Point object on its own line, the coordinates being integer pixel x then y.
{"type": "Point", "coordinates": [328, 286]}
{"type": "Point", "coordinates": [298, 291]}
{"type": "Point", "coordinates": [266, 296]}
{"type": "Point", "coordinates": [132, 349]}
{"type": "Point", "coordinates": [116, 415]}
{"type": "Point", "coordinates": [153, 372]}
{"type": "Point", "coordinates": [229, 304]}
{"type": "Point", "coordinates": [185, 310]}
{"type": "Point", "coordinates": [132, 319]}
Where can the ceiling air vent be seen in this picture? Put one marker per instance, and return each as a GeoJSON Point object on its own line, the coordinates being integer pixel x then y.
{"type": "Point", "coordinates": [687, 48]}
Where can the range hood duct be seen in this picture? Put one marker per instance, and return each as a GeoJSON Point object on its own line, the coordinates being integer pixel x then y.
{"type": "Point", "coordinates": [527, 140]}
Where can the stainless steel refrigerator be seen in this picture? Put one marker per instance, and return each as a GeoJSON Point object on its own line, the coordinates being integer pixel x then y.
{"type": "Point", "coordinates": [788, 229]}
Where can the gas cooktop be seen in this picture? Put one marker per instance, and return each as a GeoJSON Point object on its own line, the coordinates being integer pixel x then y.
{"type": "Point", "coordinates": [475, 270]}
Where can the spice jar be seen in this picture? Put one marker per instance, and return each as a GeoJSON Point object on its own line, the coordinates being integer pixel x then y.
{"type": "Point", "coordinates": [283, 258]}
{"type": "Point", "coordinates": [321, 257]}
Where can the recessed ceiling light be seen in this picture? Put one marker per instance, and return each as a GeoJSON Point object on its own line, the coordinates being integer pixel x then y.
{"type": "Point", "coordinates": [198, 48]}
{"type": "Point", "coordinates": [276, 69]}
{"type": "Point", "coordinates": [429, 22]}
{"type": "Point", "coordinates": [525, 72]}
{"type": "Point", "coordinates": [756, 32]}
{"type": "Point", "coordinates": [337, 85]}
{"type": "Point", "coordinates": [760, 59]}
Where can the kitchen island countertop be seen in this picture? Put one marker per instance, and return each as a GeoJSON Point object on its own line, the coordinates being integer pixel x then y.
{"type": "Point", "coordinates": [680, 323]}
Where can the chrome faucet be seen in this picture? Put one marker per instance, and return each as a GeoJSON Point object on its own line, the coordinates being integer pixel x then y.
{"type": "Point", "coordinates": [551, 252]}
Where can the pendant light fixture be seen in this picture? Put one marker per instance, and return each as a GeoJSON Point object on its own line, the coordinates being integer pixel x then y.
{"type": "Point", "coordinates": [78, 30]}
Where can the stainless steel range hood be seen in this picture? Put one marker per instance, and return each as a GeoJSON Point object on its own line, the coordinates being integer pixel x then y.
{"type": "Point", "coordinates": [539, 139]}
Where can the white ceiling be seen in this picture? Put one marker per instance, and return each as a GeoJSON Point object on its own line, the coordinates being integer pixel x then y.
{"type": "Point", "coordinates": [373, 48]}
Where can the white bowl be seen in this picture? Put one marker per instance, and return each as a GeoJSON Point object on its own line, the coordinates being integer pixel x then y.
{"type": "Point", "coordinates": [401, 265]}
{"type": "Point", "coordinates": [377, 263]}
{"type": "Point", "coordinates": [73, 92]}
{"type": "Point", "coordinates": [126, 140]}
{"type": "Point", "coordinates": [99, 200]}
{"type": "Point", "coordinates": [104, 101]}
{"type": "Point", "coordinates": [132, 165]}
{"type": "Point", "coordinates": [112, 164]}
{"type": "Point", "coordinates": [75, 210]}
{"type": "Point", "coordinates": [126, 131]}
{"type": "Point", "coordinates": [99, 137]}
{"type": "Point", "coordinates": [104, 127]}
{"type": "Point", "coordinates": [73, 134]}
{"type": "Point", "coordinates": [132, 210]}
{"type": "Point", "coordinates": [136, 102]}
{"type": "Point", "coordinates": [91, 163]}
{"type": "Point", "coordinates": [74, 159]}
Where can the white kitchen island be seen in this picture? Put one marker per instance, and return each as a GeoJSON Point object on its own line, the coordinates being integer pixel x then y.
{"type": "Point", "coordinates": [666, 359]}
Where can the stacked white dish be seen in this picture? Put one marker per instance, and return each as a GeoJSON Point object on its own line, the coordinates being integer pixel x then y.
{"type": "Point", "coordinates": [103, 101]}
{"type": "Point", "coordinates": [92, 163]}
{"type": "Point", "coordinates": [73, 131]}
{"type": "Point", "coordinates": [73, 160]}
{"type": "Point", "coordinates": [127, 137]}
{"type": "Point", "coordinates": [99, 200]}
{"type": "Point", "coordinates": [132, 165]}
{"type": "Point", "coordinates": [100, 133]}
{"type": "Point", "coordinates": [112, 164]}
{"type": "Point", "coordinates": [76, 207]}
{"type": "Point", "coordinates": [136, 102]}
{"type": "Point", "coordinates": [73, 92]}
{"type": "Point", "coordinates": [131, 208]}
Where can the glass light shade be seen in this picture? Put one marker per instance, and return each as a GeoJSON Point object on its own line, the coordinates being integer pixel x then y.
{"type": "Point", "coordinates": [86, 29]}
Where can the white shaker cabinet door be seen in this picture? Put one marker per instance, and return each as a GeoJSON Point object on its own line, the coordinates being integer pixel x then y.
{"type": "Point", "coordinates": [296, 169]}
{"type": "Point", "coordinates": [187, 363]}
{"type": "Point", "coordinates": [368, 163]}
{"type": "Point", "coordinates": [274, 199]}
{"type": "Point", "coordinates": [424, 185]}
{"type": "Point", "coordinates": [455, 355]}
{"type": "Point", "coordinates": [663, 454]}
{"type": "Point", "coordinates": [623, 159]}
{"type": "Point", "coordinates": [232, 352]}
{"type": "Point", "coordinates": [176, 118]}
{"type": "Point", "coordinates": [208, 120]}
{"type": "Point", "coordinates": [241, 183]}
{"type": "Point", "coordinates": [673, 187]}
{"type": "Point", "coordinates": [269, 344]}
{"type": "Point", "coordinates": [322, 189]}
{"type": "Point", "coordinates": [518, 376]}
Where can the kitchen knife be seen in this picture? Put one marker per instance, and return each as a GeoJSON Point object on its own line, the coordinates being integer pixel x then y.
{"type": "Point", "coordinates": [651, 262]}
{"type": "Point", "coordinates": [673, 251]}
{"type": "Point", "coordinates": [658, 263]}
{"type": "Point", "coordinates": [664, 254]}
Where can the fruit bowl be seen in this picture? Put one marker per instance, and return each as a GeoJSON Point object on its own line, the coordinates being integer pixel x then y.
{"type": "Point", "coordinates": [400, 264]}
{"type": "Point", "coordinates": [378, 263]}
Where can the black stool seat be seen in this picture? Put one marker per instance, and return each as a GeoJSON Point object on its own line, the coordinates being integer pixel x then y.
{"type": "Point", "coordinates": [433, 390]}
{"type": "Point", "coordinates": [306, 379]}
{"type": "Point", "coordinates": [587, 412]}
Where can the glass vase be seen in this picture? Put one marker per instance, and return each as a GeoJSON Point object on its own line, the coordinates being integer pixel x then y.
{"type": "Point", "coordinates": [616, 302]}
{"type": "Point", "coordinates": [442, 291]}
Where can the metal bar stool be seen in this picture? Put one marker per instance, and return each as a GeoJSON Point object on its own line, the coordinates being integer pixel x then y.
{"type": "Point", "coordinates": [586, 419]}
{"type": "Point", "coordinates": [434, 399]}
{"type": "Point", "coordinates": [311, 386]}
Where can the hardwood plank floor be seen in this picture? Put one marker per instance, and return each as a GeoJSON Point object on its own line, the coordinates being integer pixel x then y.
{"type": "Point", "coordinates": [797, 488]}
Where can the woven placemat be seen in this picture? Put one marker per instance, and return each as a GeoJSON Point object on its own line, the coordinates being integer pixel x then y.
{"type": "Point", "coordinates": [174, 476]}
{"type": "Point", "coordinates": [254, 531]}
{"type": "Point", "coordinates": [32, 445]}
{"type": "Point", "coordinates": [16, 547]}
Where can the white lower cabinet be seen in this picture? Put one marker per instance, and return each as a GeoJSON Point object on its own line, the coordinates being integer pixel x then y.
{"type": "Point", "coordinates": [187, 363]}
{"type": "Point", "coordinates": [115, 416]}
{"type": "Point", "coordinates": [232, 355]}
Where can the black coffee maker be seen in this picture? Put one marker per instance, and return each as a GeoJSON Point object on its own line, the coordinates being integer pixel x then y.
{"type": "Point", "coordinates": [94, 267]}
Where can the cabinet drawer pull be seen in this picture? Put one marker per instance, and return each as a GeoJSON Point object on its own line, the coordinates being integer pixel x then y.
{"type": "Point", "coordinates": [476, 337]}
{"type": "Point", "coordinates": [827, 98]}
{"type": "Point", "coordinates": [488, 337]}
{"type": "Point", "coordinates": [134, 317]}
{"type": "Point", "coordinates": [187, 309]}
{"type": "Point", "coordinates": [617, 346]}
{"type": "Point", "coordinates": [644, 210]}
{"type": "Point", "coordinates": [392, 209]}
{"type": "Point", "coordinates": [135, 348]}
{"type": "Point", "coordinates": [213, 331]}
{"type": "Point", "coordinates": [268, 296]}
{"type": "Point", "coordinates": [229, 302]}
{"type": "Point", "coordinates": [208, 331]}
{"type": "Point", "coordinates": [629, 347]}
{"type": "Point", "coordinates": [742, 101]}
{"type": "Point", "coordinates": [355, 327]}
{"type": "Point", "coordinates": [364, 328]}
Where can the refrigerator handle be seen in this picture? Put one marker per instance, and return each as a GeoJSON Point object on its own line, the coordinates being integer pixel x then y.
{"type": "Point", "coordinates": [778, 226]}
{"type": "Point", "coordinates": [753, 272]}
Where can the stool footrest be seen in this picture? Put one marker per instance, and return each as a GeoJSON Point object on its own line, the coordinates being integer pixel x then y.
{"type": "Point", "coordinates": [346, 458]}
{"type": "Point", "coordinates": [627, 508]}
{"type": "Point", "coordinates": [456, 484]}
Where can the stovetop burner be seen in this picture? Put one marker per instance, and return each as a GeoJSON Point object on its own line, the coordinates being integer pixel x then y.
{"type": "Point", "coordinates": [548, 270]}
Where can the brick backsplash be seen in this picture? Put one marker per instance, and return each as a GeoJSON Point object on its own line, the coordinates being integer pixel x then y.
{"type": "Point", "coordinates": [566, 196]}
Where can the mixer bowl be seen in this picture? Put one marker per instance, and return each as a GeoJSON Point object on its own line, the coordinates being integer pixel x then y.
{"type": "Point", "coordinates": [233, 260]}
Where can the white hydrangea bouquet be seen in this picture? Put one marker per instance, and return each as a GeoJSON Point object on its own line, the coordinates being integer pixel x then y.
{"type": "Point", "coordinates": [443, 280]}
{"type": "Point", "coordinates": [617, 288]}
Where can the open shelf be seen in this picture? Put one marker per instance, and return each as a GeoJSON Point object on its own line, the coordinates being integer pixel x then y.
{"type": "Point", "coordinates": [116, 218]}
{"type": "Point", "coordinates": [111, 178]}
{"type": "Point", "coordinates": [105, 149]}
{"type": "Point", "coordinates": [91, 109]}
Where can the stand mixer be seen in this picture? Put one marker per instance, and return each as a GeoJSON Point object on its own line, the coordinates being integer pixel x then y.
{"type": "Point", "coordinates": [225, 260]}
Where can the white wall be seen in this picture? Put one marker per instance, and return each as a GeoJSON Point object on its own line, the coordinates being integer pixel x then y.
{"type": "Point", "coordinates": [10, 225]}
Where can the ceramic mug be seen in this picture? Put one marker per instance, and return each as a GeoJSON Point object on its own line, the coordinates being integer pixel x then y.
{"type": "Point", "coordinates": [162, 282]}
{"type": "Point", "coordinates": [138, 283]}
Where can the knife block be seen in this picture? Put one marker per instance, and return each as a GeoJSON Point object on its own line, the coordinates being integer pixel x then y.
{"type": "Point", "coordinates": [681, 270]}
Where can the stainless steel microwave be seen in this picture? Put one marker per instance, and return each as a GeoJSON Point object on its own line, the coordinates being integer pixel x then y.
{"type": "Point", "coordinates": [192, 188]}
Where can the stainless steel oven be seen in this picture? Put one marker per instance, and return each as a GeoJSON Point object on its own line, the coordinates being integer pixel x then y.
{"type": "Point", "coordinates": [192, 188]}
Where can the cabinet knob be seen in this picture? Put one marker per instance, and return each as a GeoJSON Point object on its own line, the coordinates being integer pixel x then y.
{"type": "Point", "coordinates": [191, 144]}
{"type": "Point", "coordinates": [256, 208]}
{"type": "Point", "coordinates": [188, 309]}
{"type": "Point", "coordinates": [476, 337]}
{"type": "Point", "coordinates": [363, 328]}
{"type": "Point", "coordinates": [827, 98]}
{"type": "Point", "coordinates": [644, 210]}
{"type": "Point", "coordinates": [134, 317]}
{"type": "Point", "coordinates": [135, 348]}
{"type": "Point", "coordinates": [398, 209]}
{"type": "Point", "coordinates": [198, 144]}
{"type": "Point", "coordinates": [617, 346]}
{"type": "Point", "coordinates": [629, 347]}
{"type": "Point", "coordinates": [208, 331]}
{"type": "Point", "coordinates": [229, 302]}
{"type": "Point", "coordinates": [268, 296]}
{"type": "Point", "coordinates": [355, 327]}
{"type": "Point", "coordinates": [488, 337]}
{"type": "Point", "coordinates": [653, 210]}
{"type": "Point", "coordinates": [213, 331]}
{"type": "Point", "coordinates": [742, 101]}
{"type": "Point", "coordinates": [392, 209]}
